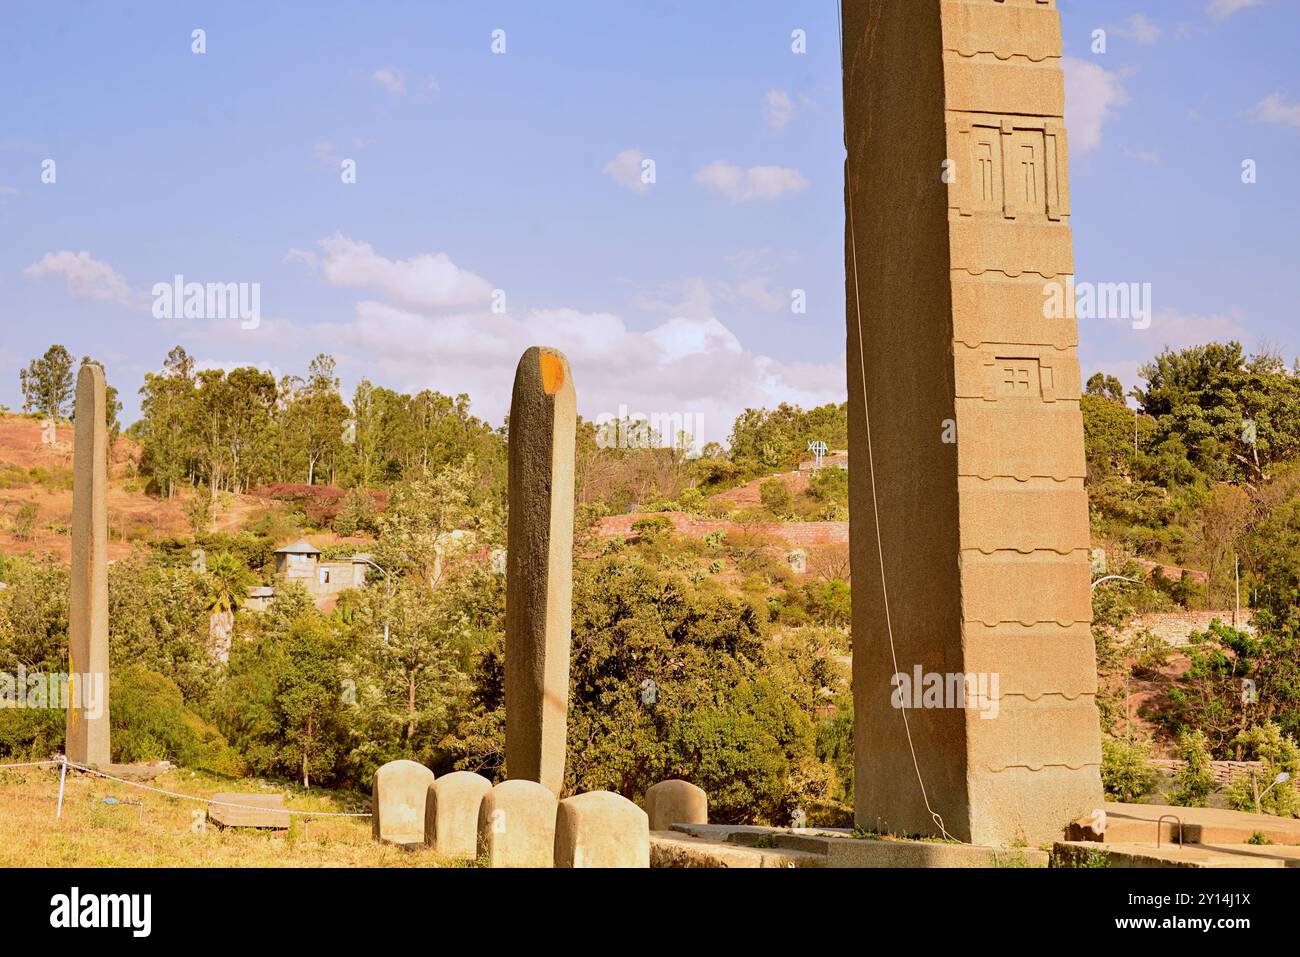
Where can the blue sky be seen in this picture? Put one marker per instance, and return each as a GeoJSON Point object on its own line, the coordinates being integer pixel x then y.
{"type": "Point", "coordinates": [515, 180]}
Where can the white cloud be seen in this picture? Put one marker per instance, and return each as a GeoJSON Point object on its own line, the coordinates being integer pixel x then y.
{"type": "Point", "coordinates": [1223, 9]}
{"type": "Point", "coordinates": [678, 338]}
{"type": "Point", "coordinates": [1092, 94]}
{"type": "Point", "coordinates": [625, 169]}
{"type": "Point", "coordinates": [389, 79]}
{"type": "Point", "coordinates": [756, 183]}
{"type": "Point", "coordinates": [1179, 330]}
{"type": "Point", "coordinates": [695, 297]}
{"type": "Point", "coordinates": [86, 277]}
{"type": "Point", "coordinates": [758, 290]}
{"type": "Point", "coordinates": [688, 365]}
{"type": "Point", "coordinates": [295, 255]}
{"type": "Point", "coordinates": [325, 153]}
{"type": "Point", "coordinates": [428, 281]}
{"type": "Point", "coordinates": [7, 190]}
{"type": "Point", "coordinates": [1277, 110]}
{"type": "Point", "coordinates": [1150, 157]}
{"type": "Point", "coordinates": [777, 109]}
{"type": "Point", "coordinates": [1140, 30]}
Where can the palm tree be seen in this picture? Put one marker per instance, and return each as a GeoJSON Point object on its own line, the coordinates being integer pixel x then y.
{"type": "Point", "coordinates": [227, 582]}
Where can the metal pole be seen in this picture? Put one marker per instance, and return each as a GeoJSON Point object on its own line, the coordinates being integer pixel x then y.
{"type": "Point", "coordinates": [63, 777]}
{"type": "Point", "coordinates": [1236, 561]}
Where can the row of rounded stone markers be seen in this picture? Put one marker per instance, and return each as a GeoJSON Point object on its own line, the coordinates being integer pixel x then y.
{"type": "Point", "coordinates": [521, 823]}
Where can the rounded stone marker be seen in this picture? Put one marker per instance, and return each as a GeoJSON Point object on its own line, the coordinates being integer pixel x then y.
{"type": "Point", "coordinates": [397, 802]}
{"type": "Point", "coordinates": [451, 814]}
{"type": "Point", "coordinates": [516, 825]}
{"type": "Point", "coordinates": [675, 802]}
{"type": "Point", "coordinates": [601, 829]}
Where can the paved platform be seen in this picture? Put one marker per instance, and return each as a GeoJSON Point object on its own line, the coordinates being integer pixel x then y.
{"type": "Point", "coordinates": [1119, 854]}
{"type": "Point", "coordinates": [675, 849]}
{"type": "Point", "coordinates": [722, 845]}
{"type": "Point", "coordinates": [1137, 824]}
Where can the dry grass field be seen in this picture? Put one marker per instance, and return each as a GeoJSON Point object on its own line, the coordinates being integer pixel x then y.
{"type": "Point", "coordinates": [94, 834]}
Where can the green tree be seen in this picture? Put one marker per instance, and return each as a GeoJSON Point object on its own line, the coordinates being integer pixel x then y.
{"type": "Point", "coordinates": [112, 405]}
{"type": "Point", "coordinates": [158, 619]}
{"type": "Point", "coordinates": [282, 702]}
{"type": "Point", "coordinates": [1234, 416]}
{"type": "Point", "coordinates": [417, 531]}
{"type": "Point", "coordinates": [166, 430]}
{"type": "Point", "coordinates": [1194, 782]}
{"type": "Point", "coordinates": [775, 496]}
{"type": "Point", "coordinates": [47, 384]}
{"type": "Point", "coordinates": [1105, 386]}
{"type": "Point", "coordinates": [25, 522]}
{"type": "Point", "coordinates": [1264, 792]}
{"type": "Point", "coordinates": [1126, 770]}
{"type": "Point", "coordinates": [315, 422]}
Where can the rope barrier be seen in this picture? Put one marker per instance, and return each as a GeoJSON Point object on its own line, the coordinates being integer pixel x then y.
{"type": "Point", "coordinates": [186, 797]}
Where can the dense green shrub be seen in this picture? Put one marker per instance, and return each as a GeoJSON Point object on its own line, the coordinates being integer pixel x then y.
{"type": "Point", "coordinates": [150, 722]}
{"type": "Point", "coordinates": [1126, 772]}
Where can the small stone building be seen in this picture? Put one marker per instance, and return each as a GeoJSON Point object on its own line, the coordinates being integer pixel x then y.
{"type": "Point", "coordinates": [322, 578]}
{"type": "Point", "coordinates": [259, 598]}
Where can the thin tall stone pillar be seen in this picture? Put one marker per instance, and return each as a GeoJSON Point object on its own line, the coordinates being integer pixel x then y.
{"type": "Point", "coordinates": [88, 724]}
{"type": "Point", "coordinates": [973, 664]}
{"type": "Point", "coordinates": [539, 567]}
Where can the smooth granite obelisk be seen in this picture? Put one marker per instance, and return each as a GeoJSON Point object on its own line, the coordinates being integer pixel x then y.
{"type": "Point", "coordinates": [539, 567]}
{"type": "Point", "coordinates": [88, 724]}
{"type": "Point", "coordinates": [969, 532]}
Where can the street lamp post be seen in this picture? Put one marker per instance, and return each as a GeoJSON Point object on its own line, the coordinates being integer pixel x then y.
{"type": "Point", "coordinates": [1282, 778]}
{"type": "Point", "coordinates": [1121, 578]}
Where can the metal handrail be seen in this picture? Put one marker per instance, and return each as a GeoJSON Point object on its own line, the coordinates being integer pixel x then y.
{"type": "Point", "coordinates": [1161, 820]}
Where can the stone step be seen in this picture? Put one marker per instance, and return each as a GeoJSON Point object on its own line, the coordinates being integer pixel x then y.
{"type": "Point", "coordinates": [836, 847]}
{"type": "Point", "coordinates": [232, 809]}
{"type": "Point", "coordinates": [1137, 824]}
{"type": "Point", "coordinates": [677, 849]}
{"type": "Point", "coordinates": [1132, 854]}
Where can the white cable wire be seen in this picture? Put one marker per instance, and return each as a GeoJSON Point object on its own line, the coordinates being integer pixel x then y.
{"type": "Point", "coordinates": [191, 797]}
{"type": "Point", "coordinates": [186, 797]}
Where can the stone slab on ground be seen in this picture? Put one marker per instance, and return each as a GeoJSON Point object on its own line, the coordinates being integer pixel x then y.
{"type": "Point", "coordinates": [836, 847]}
{"type": "Point", "coordinates": [1137, 824]}
{"type": "Point", "coordinates": [144, 771]}
{"type": "Point", "coordinates": [1120, 854]}
{"type": "Point", "coordinates": [267, 811]}
{"type": "Point", "coordinates": [676, 849]}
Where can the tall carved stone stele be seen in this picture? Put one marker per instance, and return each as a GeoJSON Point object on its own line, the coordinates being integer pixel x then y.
{"type": "Point", "coordinates": [88, 737]}
{"type": "Point", "coordinates": [539, 567]}
{"type": "Point", "coordinates": [958, 220]}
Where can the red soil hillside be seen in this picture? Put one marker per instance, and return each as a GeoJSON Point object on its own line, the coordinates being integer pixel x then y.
{"type": "Point", "coordinates": [744, 496]}
{"type": "Point", "coordinates": [33, 470]}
